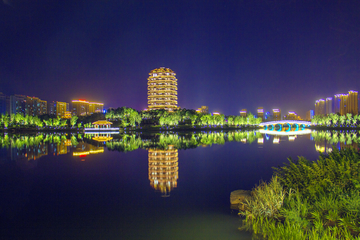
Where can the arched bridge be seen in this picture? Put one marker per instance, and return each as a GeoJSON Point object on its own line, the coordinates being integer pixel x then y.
{"type": "Point", "coordinates": [285, 125]}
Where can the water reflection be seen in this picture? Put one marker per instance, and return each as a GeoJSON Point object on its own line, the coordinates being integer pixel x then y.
{"type": "Point", "coordinates": [163, 169]}
{"type": "Point", "coordinates": [35, 146]}
{"type": "Point", "coordinates": [83, 149]}
{"type": "Point", "coordinates": [327, 141]}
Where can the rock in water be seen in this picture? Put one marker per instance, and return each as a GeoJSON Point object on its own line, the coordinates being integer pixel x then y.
{"type": "Point", "coordinates": [238, 199]}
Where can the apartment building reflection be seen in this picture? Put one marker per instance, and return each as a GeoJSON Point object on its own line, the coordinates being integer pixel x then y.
{"type": "Point", "coordinates": [163, 170]}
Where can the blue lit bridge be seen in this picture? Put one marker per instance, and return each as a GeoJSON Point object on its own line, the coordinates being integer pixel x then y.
{"type": "Point", "coordinates": [285, 125]}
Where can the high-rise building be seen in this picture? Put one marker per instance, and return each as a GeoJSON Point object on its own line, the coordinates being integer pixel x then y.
{"type": "Point", "coordinates": [260, 113]}
{"type": "Point", "coordinates": [309, 115]}
{"type": "Point", "coordinates": [163, 169]}
{"type": "Point", "coordinates": [17, 104]}
{"type": "Point", "coordinates": [95, 107]}
{"type": "Point", "coordinates": [343, 104]}
{"type": "Point", "coordinates": [35, 106]}
{"type": "Point", "coordinates": [292, 116]}
{"type": "Point", "coordinates": [52, 108]}
{"type": "Point", "coordinates": [352, 103]}
{"type": "Point", "coordinates": [276, 114]}
{"type": "Point", "coordinates": [320, 107]}
{"type": "Point", "coordinates": [61, 109]}
{"type": "Point", "coordinates": [336, 102]}
{"type": "Point", "coordinates": [80, 107]}
{"type": "Point", "coordinates": [2, 103]}
{"type": "Point", "coordinates": [243, 112]}
{"type": "Point", "coordinates": [329, 105]}
{"type": "Point", "coordinates": [162, 89]}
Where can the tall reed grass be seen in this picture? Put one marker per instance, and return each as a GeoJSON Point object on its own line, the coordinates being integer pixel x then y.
{"type": "Point", "coordinates": [308, 200]}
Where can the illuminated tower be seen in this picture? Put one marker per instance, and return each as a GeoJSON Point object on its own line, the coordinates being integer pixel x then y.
{"type": "Point", "coordinates": [162, 89]}
{"type": "Point", "coordinates": [163, 169]}
{"type": "Point", "coordinates": [353, 103]}
{"type": "Point", "coordinates": [320, 107]}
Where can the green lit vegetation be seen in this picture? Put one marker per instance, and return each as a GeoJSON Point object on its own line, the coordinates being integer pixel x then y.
{"type": "Point", "coordinates": [335, 120]}
{"type": "Point", "coordinates": [20, 121]}
{"type": "Point", "coordinates": [187, 117]}
{"type": "Point", "coordinates": [21, 141]}
{"type": "Point", "coordinates": [334, 137]}
{"type": "Point", "coordinates": [309, 200]}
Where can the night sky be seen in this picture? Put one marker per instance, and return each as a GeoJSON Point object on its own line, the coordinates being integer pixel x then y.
{"type": "Point", "coordinates": [227, 55]}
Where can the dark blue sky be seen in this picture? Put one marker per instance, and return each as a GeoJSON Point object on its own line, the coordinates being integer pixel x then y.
{"type": "Point", "coordinates": [228, 55]}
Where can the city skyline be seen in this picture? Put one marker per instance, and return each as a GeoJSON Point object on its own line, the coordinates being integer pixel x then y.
{"type": "Point", "coordinates": [227, 56]}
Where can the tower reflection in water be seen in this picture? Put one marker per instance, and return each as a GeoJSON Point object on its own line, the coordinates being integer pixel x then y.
{"type": "Point", "coordinates": [163, 169]}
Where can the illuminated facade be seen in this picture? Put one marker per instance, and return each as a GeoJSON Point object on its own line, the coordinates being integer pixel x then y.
{"type": "Point", "coordinates": [352, 103]}
{"type": "Point", "coordinates": [336, 102]}
{"type": "Point", "coordinates": [276, 114]}
{"type": "Point", "coordinates": [292, 116]}
{"type": "Point", "coordinates": [80, 107]}
{"type": "Point", "coordinates": [329, 105]}
{"type": "Point", "coordinates": [35, 106]}
{"type": "Point", "coordinates": [309, 115]}
{"type": "Point", "coordinates": [162, 89]}
{"type": "Point", "coordinates": [163, 169]}
{"type": "Point", "coordinates": [320, 107]}
{"type": "Point", "coordinates": [203, 109]}
{"type": "Point", "coordinates": [243, 113]}
{"type": "Point", "coordinates": [260, 113]}
{"type": "Point", "coordinates": [95, 107]}
{"type": "Point", "coordinates": [61, 109]}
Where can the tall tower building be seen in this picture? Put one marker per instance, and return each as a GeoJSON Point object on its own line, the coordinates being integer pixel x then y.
{"type": "Point", "coordinates": [329, 105]}
{"type": "Point", "coordinates": [162, 89]}
{"type": "Point", "coordinates": [320, 107]}
{"type": "Point", "coordinates": [352, 103]}
{"type": "Point", "coordinates": [163, 169]}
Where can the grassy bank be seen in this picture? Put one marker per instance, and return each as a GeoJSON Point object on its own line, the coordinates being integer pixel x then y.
{"type": "Point", "coordinates": [309, 200]}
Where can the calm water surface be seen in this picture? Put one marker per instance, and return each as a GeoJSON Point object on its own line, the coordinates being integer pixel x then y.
{"type": "Point", "coordinates": [57, 191]}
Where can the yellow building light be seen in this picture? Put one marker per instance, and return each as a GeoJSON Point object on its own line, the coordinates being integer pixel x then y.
{"type": "Point", "coordinates": [162, 89]}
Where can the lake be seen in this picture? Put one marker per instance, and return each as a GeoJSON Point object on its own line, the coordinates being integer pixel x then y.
{"type": "Point", "coordinates": [143, 186]}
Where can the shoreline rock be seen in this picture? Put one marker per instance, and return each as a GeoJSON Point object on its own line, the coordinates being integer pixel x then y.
{"type": "Point", "coordinates": [238, 199]}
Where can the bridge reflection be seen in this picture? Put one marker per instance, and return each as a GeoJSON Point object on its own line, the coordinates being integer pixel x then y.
{"type": "Point", "coordinates": [285, 125]}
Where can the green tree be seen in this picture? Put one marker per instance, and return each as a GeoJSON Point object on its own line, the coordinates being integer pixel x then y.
{"type": "Point", "coordinates": [73, 120]}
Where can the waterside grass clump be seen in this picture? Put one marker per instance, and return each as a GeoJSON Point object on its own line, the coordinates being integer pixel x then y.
{"type": "Point", "coordinates": [308, 200]}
